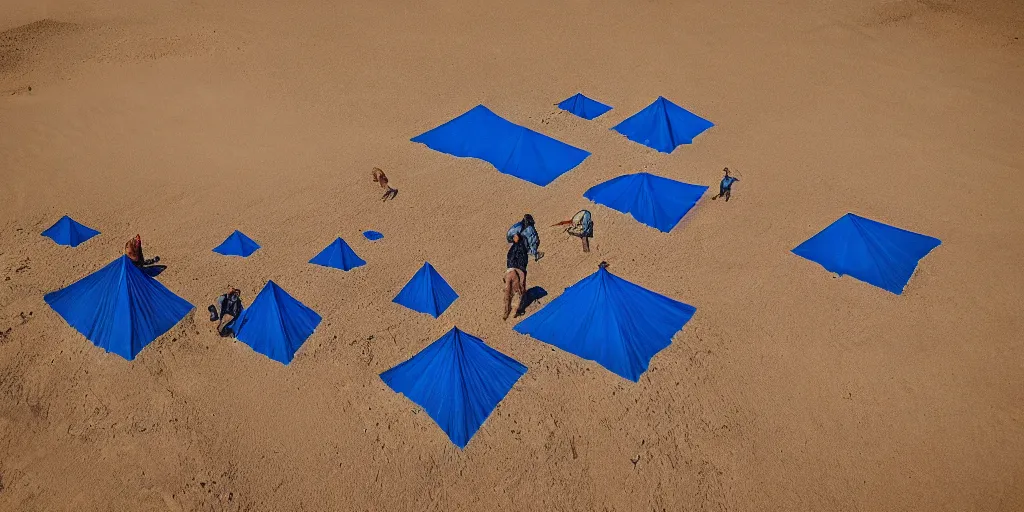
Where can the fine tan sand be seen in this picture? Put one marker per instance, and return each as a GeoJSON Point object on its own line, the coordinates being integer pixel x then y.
{"type": "Point", "coordinates": [789, 390]}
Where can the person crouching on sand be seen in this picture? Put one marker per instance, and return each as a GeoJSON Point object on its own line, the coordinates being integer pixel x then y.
{"type": "Point", "coordinates": [515, 274]}
{"type": "Point", "coordinates": [382, 179]}
{"type": "Point", "coordinates": [230, 307]}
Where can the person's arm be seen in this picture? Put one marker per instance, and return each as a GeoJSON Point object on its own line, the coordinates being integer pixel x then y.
{"type": "Point", "coordinates": [511, 232]}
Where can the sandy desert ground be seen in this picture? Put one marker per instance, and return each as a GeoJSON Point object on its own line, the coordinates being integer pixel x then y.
{"type": "Point", "coordinates": [789, 390]}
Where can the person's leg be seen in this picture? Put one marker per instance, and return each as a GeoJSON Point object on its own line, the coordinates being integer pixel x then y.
{"type": "Point", "coordinates": [728, 192]}
{"type": "Point", "coordinates": [223, 328]}
{"type": "Point", "coordinates": [509, 277]}
{"type": "Point", "coordinates": [586, 243]}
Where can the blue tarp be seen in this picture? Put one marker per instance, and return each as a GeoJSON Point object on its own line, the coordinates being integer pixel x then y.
{"type": "Point", "coordinates": [458, 380]}
{"type": "Point", "coordinates": [512, 149]}
{"type": "Point", "coordinates": [276, 324]}
{"type": "Point", "coordinates": [870, 251]}
{"type": "Point", "coordinates": [584, 107]}
{"type": "Point", "coordinates": [658, 202]}
{"type": "Point", "coordinates": [663, 125]}
{"type": "Point", "coordinates": [607, 319]}
{"type": "Point", "coordinates": [119, 308]}
{"type": "Point", "coordinates": [69, 232]}
{"type": "Point", "coordinates": [237, 244]}
{"type": "Point", "coordinates": [373, 236]}
{"type": "Point", "coordinates": [338, 255]}
{"type": "Point", "coordinates": [427, 292]}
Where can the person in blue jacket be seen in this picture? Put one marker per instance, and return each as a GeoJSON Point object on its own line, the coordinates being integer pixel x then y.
{"type": "Point", "coordinates": [725, 188]}
{"type": "Point", "coordinates": [528, 231]}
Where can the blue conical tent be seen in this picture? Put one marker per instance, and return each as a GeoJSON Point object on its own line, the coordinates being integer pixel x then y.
{"type": "Point", "coordinates": [119, 308]}
{"type": "Point", "coordinates": [427, 292]}
{"type": "Point", "coordinates": [338, 255]}
{"type": "Point", "coordinates": [237, 244]}
{"type": "Point", "coordinates": [870, 251]}
{"type": "Point", "coordinates": [512, 149]}
{"type": "Point", "coordinates": [663, 125]}
{"type": "Point", "coordinates": [276, 324]}
{"type": "Point", "coordinates": [607, 319]}
{"type": "Point", "coordinates": [583, 106]}
{"type": "Point", "coordinates": [69, 232]}
{"type": "Point", "coordinates": [658, 202]}
{"type": "Point", "coordinates": [458, 380]}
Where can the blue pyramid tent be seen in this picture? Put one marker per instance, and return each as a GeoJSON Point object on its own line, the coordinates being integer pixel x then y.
{"type": "Point", "coordinates": [458, 380]}
{"type": "Point", "coordinates": [338, 255]}
{"type": "Point", "coordinates": [237, 244]}
{"type": "Point", "coordinates": [658, 202]}
{"type": "Point", "coordinates": [276, 324]}
{"type": "Point", "coordinates": [607, 319]}
{"type": "Point", "coordinates": [870, 251]}
{"type": "Point", "coordinates": [69, 232]}
{"type": "Point", "coordinates": [512, 149]}
{"type": "Point", "coordinates": [119, 308]}
{"type": "Point", "coordinates": [427, 292]}
{"type": "Point", "coordinates": [663, 125]}
{"type": "Point", "coordinates": [584, 107]}
{"type": "Point", "coordinates": [373, 236]}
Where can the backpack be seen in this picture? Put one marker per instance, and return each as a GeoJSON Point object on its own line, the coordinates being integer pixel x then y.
{"type": "Point", "coordinates": [581, 224]}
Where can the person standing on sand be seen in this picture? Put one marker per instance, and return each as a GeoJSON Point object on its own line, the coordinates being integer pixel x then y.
{"type": "Point", "coordinates": [725, 188]}
{"type": "Point", "coordinates": [515, 274]}
{"type": "Point", "coordinates": [581, 225]}
{"type": "Point", "coordinates": [527, 229]}
{"type": "Point", "coordinates": [382, 179]}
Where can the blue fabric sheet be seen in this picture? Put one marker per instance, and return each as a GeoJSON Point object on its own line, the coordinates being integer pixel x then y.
{"type": "Point", "coordinates": [611, 321]}
{"type": "Point", "coordinates": [870, 251]}
{"type": "Point", "coordinates": [237, 244]}
{"type": "Point", "coordinates": [458, 380]}
{"type": "Point", "coordinates": [584, 107]}
{"type": "Point", "coordinates": [427, 292]}
{"type": "Point", "coordinates": [276, 324]}
{"type": "Point", "coordinates": [658, 202]}
{"type": "Point", "coordinates": [663, 126]}
{"type": "Point", "coordinates": [119, 308]}
{"type": "Point", "coordinates": [512, 149]}
{"type": "Point", "coordinates": [338, 255]}
{"type": "Point", "coordinates": [373, 236]}
{"type": "Point", "coordinates": [67, 231]}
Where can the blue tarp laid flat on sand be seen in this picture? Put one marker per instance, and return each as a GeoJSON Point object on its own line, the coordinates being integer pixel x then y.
{"type": "Point", "coordinates": [237, 244]}
{"type": "Point", "coordinates": [119, 308]}
{"type": "Point", "coordinates": [658, 202]}
{"type": "Point", "coordinates": [427, 292]}
{"type": "Point", "coordinates": [584, 107]}
{"type": "Point", "coordinates": [607, 319]}
{"type": "Point", "coordinates": [276, 324]}
{"type": "Point", "coordinates": [338, 255]}
{"type": "Point", "coordinates": [512, 149]}
{"type": "Point", "coordinates": [67, 231]}
{"type": "Point", "coordinates": [458, 380]}
{"type": "Point", "coordinates": [870, 251]}
{"type": "Point", "coordinates": [663, 125]}
{"type": "Point", "coordinates": [373, 236]}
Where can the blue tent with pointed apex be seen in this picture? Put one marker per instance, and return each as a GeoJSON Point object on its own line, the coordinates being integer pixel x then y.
{"type": "Point", "coordinates": [427, 292]}
{"type": "Point", "coordinates": [658, 202]}
{"type": "Point", "coordinates": [663, 125]}
{"type": "Point", "coordinates": [276, 324]}
{"type": "Point", "coordinates": [512, 149]}
{"type": "Point", "coordinates": [458, 380]}
{"type": "Point", "coordinates": [119, 308]}
{"type": "Point", "coordinates": [611, 321]}
{"type": "Point", "coordinates": [237, 244]}
{"type": "Point", "coordinates": [584, 107]}
{"type": "Point", "coordinates": [373, 236]}
{"type": "Point", "coordinates": [338, 255]}
{"type": "Point", "coordinates": [870, 251]}
{"type": "Point", "coordinates": [67, 231]}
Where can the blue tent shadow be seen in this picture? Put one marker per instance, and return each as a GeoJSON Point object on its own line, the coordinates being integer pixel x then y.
{"type": "Point", "coordinates": [153, 270]}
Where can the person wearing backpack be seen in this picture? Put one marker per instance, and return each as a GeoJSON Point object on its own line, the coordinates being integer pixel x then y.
{"type": "Point", "coordinates": [528, 231]}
